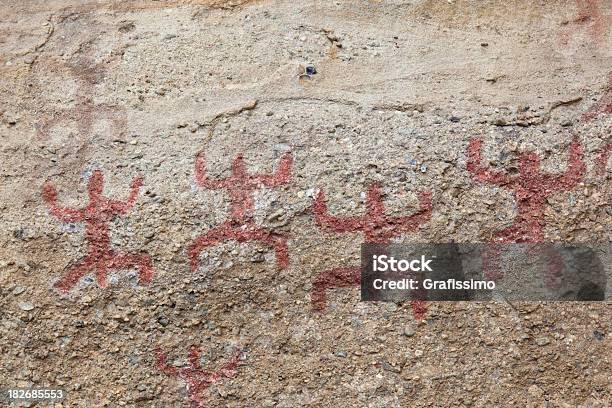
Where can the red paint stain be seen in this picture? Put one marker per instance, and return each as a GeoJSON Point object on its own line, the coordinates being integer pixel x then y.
{"type": "Point", "coordinates": [241, 226]}
{"type": "Point", "coordinates": [591, 17]}
{"type": "Point", "coordinates": [85, 111]}
{"type": "Point", "coordinates": [419, 309]}
{"type": "Point", "coordinates": [377, 228]}
{"type": "Point", "coordinates": [531, 188]}
{"type": "Point", "coordinates": [196, 379]}
{"type": "Point", "coordinates": [603, 106]}
{"type": "Point", "coordinates": [96, 215]}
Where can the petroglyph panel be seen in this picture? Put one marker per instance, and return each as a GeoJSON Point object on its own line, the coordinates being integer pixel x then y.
{"type": "Point", "coordinates": [248, 148]}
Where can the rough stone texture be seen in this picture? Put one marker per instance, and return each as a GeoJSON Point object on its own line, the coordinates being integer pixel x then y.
{"type": "Point", "coordinates": [139, 88]}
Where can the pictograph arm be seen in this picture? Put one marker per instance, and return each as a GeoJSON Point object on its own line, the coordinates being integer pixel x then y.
{"type": "Point", "coordinates": [162, 364]}
{"type": "Point", "coordinates": [282, 174]}
{"type": "Point", "coordinates": [123, 207]}
{"type": "Point", "coordinates": [482, 173]}
{"type": "Point", "coordinates": [412, 222]}
{"type": "Point", "coordinates": [65, 214]}
{"type": "Point", "coordinates": [202, 178]}
{"type": "Point", "coordinates": [329, 222]}
{"type": "Point", "coordinates": [574, 173]}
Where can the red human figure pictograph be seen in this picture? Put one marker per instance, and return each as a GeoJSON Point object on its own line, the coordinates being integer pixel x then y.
{"type": "Point", "coordinates": [85, 111]}
{"type": "Point", "coordinates": [196, 379]}
{"type": "Point", "coordinates": [531, 188]}
{"type": "Point", "coordinates": [603, 105]}
{"type": "Point", "coordinates": [100, 258]}
{"type": "Point", "coordinates": [377, 228]}
{"type": "Point", "coordinates": [241, 225]}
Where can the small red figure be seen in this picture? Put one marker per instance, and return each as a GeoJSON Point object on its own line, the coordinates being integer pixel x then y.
{"type": "Point", "coordinates": [531, 188]}
{"type": "Point", "coordinates": [241, 226]}
{"type": "Point", "coordinates": [377, 228]}
{"type": "Point", "coordinates": [197, 379]}
{"type": "Point", "coordinates": [96, 216]}
{"type": "Point", "coordinates": [85, 111]}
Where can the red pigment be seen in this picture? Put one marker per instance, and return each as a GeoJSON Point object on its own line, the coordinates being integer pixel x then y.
{"type": "Point", "coordinates": [85, 112]}
{"type": "Point", "coordinates": [377, 228]}
{"type": "Point", "coordinates": [196, 379]}
{"type": "Point", "coordinates": [241, 226]}
{"type": "Point", "coordinates": [96, 215]}
{"type": "Point", "coordinates": [531, 188]}
{"type": "Point", "coordinates": [590, 15]}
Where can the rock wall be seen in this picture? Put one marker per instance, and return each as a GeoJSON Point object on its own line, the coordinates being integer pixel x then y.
{"type": "Point", "coordinates": [186, 184]}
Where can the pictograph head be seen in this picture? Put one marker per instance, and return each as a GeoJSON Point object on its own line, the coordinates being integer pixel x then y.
{"type": "Point", "coordinates": [96, 184]}
{"type": "Point", "coordinates": [49, 193]}
{"type": "Point", "coordinates": [239, 166]}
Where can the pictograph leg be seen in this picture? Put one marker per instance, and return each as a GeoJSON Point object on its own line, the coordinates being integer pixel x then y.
{"type": "Point", "coordinates": [213, 237]}
{"type": "Point", "coordinates": [277, 241]}
{"type": "Point", "coordinates": [74, 275]}
{"type": "Point", "coordinates": [552, 277]}
{"type": "Point", "coordinates": [333, 278]}
{"type": "Point", "coordinates": [140, 261]}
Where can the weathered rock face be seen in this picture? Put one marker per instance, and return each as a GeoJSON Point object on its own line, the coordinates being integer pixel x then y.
{"type": "Point", "coordinates": [142, 139]}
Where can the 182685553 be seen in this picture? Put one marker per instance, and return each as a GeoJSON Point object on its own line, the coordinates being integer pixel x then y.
{"type": "Point", "coordinates": [24, 394]}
